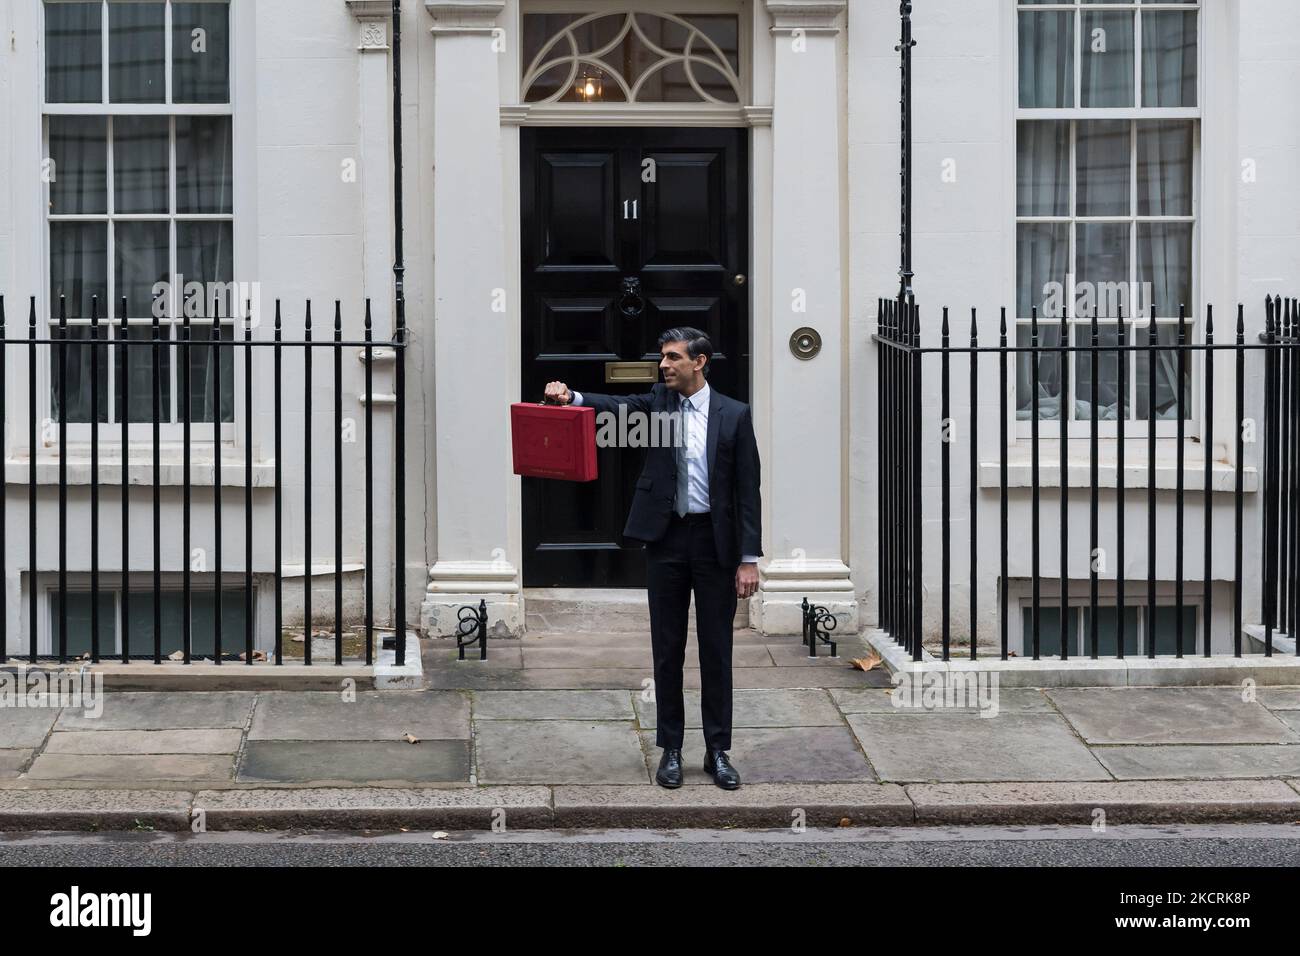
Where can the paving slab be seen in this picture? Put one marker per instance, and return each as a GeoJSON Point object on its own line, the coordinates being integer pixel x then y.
{"type": "Point", "coordinates": [759, 707]}
{"type": "Point", "coordinates": [13, 761]}
{"type": "Point", "coordinates": [578, 678]}
{"type": "Point", "coordinates": [370, 715]}
{"type": "Point", "coordinates": [873, 700]}
{"type": "Point", "coordinates": [753, 805]}
{"type": "Point", "coordinates": [144, 742]}
{"type": "Point", "coordinates": [548, 638]}
{"type": "Point", "coordinates": [936, 746]}
{"type": "Point", "coordinates": [796, 655]}
{"type": "Point", "coordinates": [543, 678]}
{"type": "Point", "coordinates": [775, 755]}
{"type": "Point", "coordinates": [553, 705]}
{"type": "Point", "coordinates": [1279, 698]}
{"type": "Point", "coordinates": [1123, 802]}
{"type": "Point", "coordinates": [1169, 715]}
{"type": "Point", "coordinates": [26, 727]}
{"type": "Point", "coordinates": [127, 770]}
{"type": "Point", "coordinates": [1289, 717]}
{"type": "Point", "coordinates": [500, 655]}
{"type": "Point", "coordinates": [94, 810]}
{"type": "Point", "coordinates": [745, 655]}
{"type": "Point", "coordinates": [368, 808]}
{"type": "Point", "coordinates": [377, 763]}
{"type": "Point", "coordinates": [175, 710]}
{"type": "Point", "coordinates": [1203, 762]}
{"type": "Point", "coordinates": [558, 751]}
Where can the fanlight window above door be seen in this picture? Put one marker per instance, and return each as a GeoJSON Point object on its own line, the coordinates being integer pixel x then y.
{"type": "Point", "coordinates": [631, 58]}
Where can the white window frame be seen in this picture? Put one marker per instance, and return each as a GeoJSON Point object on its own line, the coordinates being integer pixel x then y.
{"type": "Point", "coordinates": [110, 432]}
{"type": "Point", "coordinates": [1135, 428]}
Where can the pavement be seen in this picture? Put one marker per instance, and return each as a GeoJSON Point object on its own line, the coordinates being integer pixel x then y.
{"type": "Point", "coordinates": [557, 731]}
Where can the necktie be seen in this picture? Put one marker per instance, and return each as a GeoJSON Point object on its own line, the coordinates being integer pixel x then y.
{"type": "Point", "coordinates": [680, 449]}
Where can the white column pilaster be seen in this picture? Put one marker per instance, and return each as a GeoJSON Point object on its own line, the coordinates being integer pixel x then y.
{"type": "Point", "coordinates": [374, 22]}
{"type": "Point", "coordinates": [473, 367]}
{"type": "Point", "coordinates": [807, 524]}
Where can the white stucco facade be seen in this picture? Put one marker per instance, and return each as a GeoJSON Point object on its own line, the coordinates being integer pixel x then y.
{"type": "Point", "coordinates": [312, 100]}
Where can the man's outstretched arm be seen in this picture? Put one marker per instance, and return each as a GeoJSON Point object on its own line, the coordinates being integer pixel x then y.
{"type": "Point", "coordinates": [561, 394]}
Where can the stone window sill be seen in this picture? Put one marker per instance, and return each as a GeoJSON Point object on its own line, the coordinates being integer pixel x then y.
{"type": "Point", "coordinates": [171, 473]}
{"type": "Point", "coordinates": [1223, 477]}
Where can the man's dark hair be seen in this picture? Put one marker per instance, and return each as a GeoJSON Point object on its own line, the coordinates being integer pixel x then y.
{"type": "Point", "coordinates": [697, 343]}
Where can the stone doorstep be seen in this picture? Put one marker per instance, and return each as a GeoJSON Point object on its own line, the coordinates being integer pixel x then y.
{"type": "Point", "coordinates": [258, 676]}
{"type": "Point", "coordinates": [1083, 672]}
{"type": "Point", "coordinates": [768, 806]}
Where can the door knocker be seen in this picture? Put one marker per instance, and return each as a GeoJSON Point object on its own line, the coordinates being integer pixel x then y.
{"type": "Point", "coordinates": [631, 303]}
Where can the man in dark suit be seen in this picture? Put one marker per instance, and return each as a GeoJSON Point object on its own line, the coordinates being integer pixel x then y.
{"type": "Point", "coordinates": [697, 508]}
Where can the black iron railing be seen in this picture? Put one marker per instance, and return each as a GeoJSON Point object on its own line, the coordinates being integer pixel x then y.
{"type": "Point", "coordinates": [912, 421]}
{"type": "Point", "coordinates": [237, 579]}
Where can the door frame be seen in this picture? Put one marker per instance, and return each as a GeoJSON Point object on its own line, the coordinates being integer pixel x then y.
{"type": "Point", "coordinates": [757, 77]}
{"type": "Point", "coordinates": [734, 376]}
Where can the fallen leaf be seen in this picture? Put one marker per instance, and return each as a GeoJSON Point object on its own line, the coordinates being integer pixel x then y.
{"type": "Point", "coordinates": [846, 822]}
{"type": "Point", "coordinates": [257, 655]}
{"type": "Point", "coordinates": [867, 663]}
{"type": "Point", "coordinates": [411, 738]}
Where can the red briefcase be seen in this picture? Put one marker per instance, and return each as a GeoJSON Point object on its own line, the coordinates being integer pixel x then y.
{"type": "Point", "coordinates": [554, 441]}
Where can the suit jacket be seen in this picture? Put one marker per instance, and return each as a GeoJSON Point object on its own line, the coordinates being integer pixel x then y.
{"type": "Point", "coordinates": [732, 454]}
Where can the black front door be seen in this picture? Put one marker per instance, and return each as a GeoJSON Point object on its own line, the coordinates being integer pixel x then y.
{"type": "Point", "coordinates": [663, 210]}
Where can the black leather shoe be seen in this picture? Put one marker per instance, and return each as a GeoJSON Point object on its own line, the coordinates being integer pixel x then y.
{"type": "Point", "coordinates": [670, 769]}
{"type": "Point", "coordinates": [717, 766]}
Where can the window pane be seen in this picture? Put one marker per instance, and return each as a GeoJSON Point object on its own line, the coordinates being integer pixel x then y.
{"type": "Point", "coordinates": [1164, 257]}
{"type": "Point", "coordinates": [203, 165]}
{"type": "Point", "coordinates": [1042, 260]}
{"type": "Point", "coordinates": [203, 255]}
{"type": "Point", "coordinates": [1106, 65]}
{"type": "Point", "coordinates": [1104, 168]}
{"type": "Point", "coordinates": [1166, 630]}
{"type": "Point", "coordinates": [141, 250]}
{"type": "Point", "coordinates": [1164, 168]}
{"type": "Point", "coordinates": [1049, 631]}
{"type": "Point", "coordinates": [200, 53]}
{"type": "Point", "coordinates": [1166, 374]}
{"type": "Point", "coordinates": [201, 374]}
{"type": "Point", "coordinates": [1049, 372]}
{"type": "Point", "coordinates": [140, 162]}
{"type": "Point", "coordinates": [78, 267]}
{"type": "Point", "coordinates": [1108, 631]}
{"type": "Point", "coordinates": [1103, 269]}
{"type": "Point", "coordinates": [77, 362]}
{"type": "Point", "coordinates": [136, 52]}
{"type": "Point", "coordinates": [1108, 384]}
{"type": "Point", "coordinates": [1042, 168]}
{"type": "Point", "coordinates": [1046, 59]}
{"type": "Point", "coordinates": [202, 614]}
{"type": "Point", "coordinates": [139, 373]}
{"type": "Point", "coordinates": [79, 151]}
{"type": "Point", "coordinates": [1169, 58]}
{"type": "Point", "coordinates": [79, 605]}
{"type": "Point", "coordinates": [74, 53]}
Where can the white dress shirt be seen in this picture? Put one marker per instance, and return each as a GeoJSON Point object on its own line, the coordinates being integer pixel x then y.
{"type": "Point", "coordinates": [695, 422]}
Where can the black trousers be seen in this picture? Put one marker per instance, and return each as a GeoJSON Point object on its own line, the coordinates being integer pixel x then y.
{"type": "Point", "coordinates": [686, 559]}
